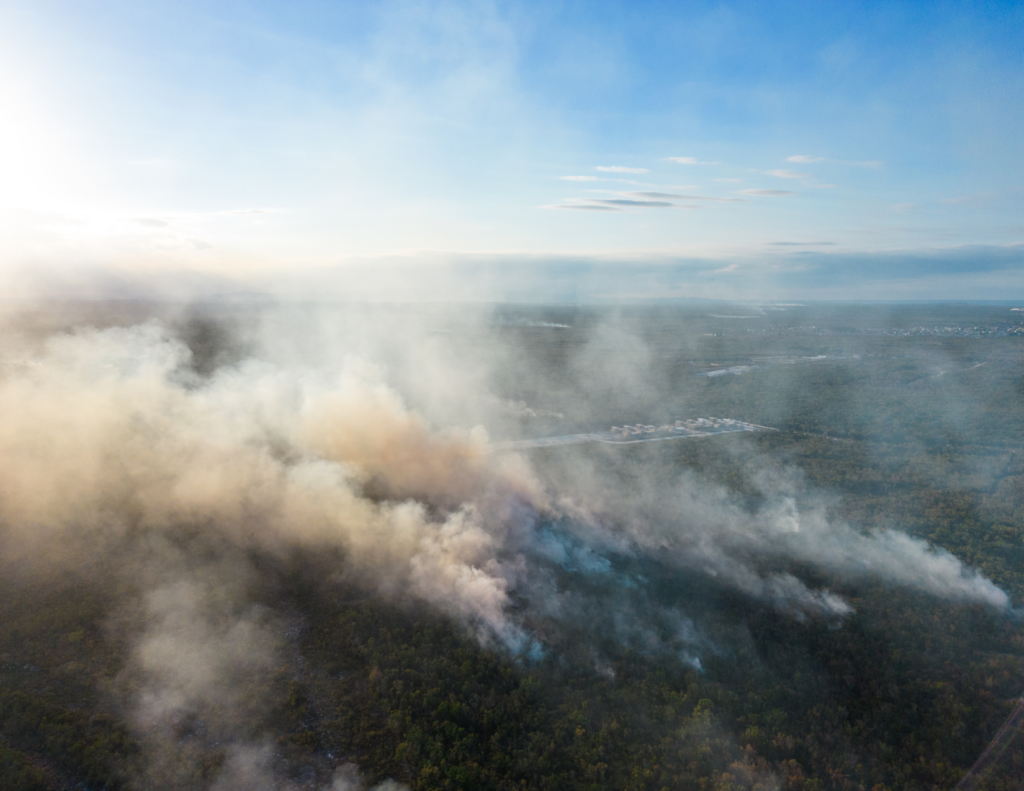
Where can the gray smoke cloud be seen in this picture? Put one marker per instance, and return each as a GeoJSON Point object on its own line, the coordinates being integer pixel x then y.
{"type": "Point", "coordinates": [110, 441]}
{"type": "Point", "coordinates": [195, 681]}
{"type": "Point", "coordinates": [701, 526]}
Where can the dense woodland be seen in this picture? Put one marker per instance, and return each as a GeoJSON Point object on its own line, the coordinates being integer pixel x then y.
{"type": "Point", "coordinates": [924, 434]}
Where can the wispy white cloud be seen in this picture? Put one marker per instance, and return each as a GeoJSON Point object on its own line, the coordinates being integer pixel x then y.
{"type": "Point", "coordinates": [902, 208]}
{"type": "Point", "coordinates": [689, 161]}
{"type": "Point", "coordinates": [806, 159]}
{"type": "Point", "coordinates": [672, 196]}
{"type": "Point", "coordinates": [633, 199]}
{"type": "Point", "coordinates": [620, 169]}
{"type": "Point", "coordinates": [773, 193]}
{"type": "Point", "coordinates": [730, 181]}
{"type": "Point", "coordinates": [635, 203]}
{"type": "Point", "coordinates": [631, 182]}
{"type": "Point", "coordinates": [581, 207]}
{"type": "Point", "coordinates": [788, 174]}
{"type": "Point", "coordinates": [655, 195]}
{"type": "Point", "coordinates": [807, 178]}
{"type": "Point", "coordinates": [627, 201]}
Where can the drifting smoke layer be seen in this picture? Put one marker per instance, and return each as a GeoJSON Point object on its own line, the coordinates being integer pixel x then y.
{"type": "Point", "coordinates": [105, 433]}
{"type": "Point", "coordinates": [108, 439]}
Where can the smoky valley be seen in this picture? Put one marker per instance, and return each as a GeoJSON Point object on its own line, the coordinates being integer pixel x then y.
{"type": "Point", "coordinates": [259, 545]}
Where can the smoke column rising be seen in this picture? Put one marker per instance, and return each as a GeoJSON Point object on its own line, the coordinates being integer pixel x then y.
{"type": "Point", "coordinates": [111, 442]}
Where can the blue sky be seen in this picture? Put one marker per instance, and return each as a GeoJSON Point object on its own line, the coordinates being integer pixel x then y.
{"type": "Point", "coordinates": [549, 150]}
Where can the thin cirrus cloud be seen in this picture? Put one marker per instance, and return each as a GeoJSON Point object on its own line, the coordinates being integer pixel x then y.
{"type": "Point", "coordinates": [620, 169]}
{"type": "Point", "coordinates": [656, 195]}
{"type": "Point", "coordinates": [626, 201]}
{"type": "Point", "coordinates": [621, 181]}
{"type": "Point", "coordinates": [637, 204]}
{"type": "Point", "coordinates": [770, 193]}
{"type": "Point", "coordinates": [633, 200]}
{"type": "Point", "coordinates": [677, 196]}
{"type": "Point", "coordinates": [805, 159]}
{"type": "Point", "coordinates": [581, 207]}
{"type": "Point", "coordinates": [689, 161]}
{"type": "Point", "coordinates": [613, 205]}
{"type": "Point", "coordinates": [788, 174]}
{"type": "Point", "coordinates": [807, 178]}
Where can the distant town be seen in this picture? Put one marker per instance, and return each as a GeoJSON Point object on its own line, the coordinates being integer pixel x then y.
{"type": "Point", "coordinates": [627, 434]}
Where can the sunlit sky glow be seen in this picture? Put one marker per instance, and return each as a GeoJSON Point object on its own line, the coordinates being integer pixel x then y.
{"type": "Point", "coordinates": [530, 150]}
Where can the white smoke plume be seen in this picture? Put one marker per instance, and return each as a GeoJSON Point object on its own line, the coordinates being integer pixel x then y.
{"type": "Point", "coordinates": [249, 768]}
{"type": "Point", "coordinates": [104, 434]}
{"type": "Point", "coordinates": [107, 433]}
{"type": "Point", "coordinates": [197, 676]}
{"type": "Point", "coordinates": [109, 440]}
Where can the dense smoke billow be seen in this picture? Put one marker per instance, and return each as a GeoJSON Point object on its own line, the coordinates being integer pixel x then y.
{"type": "Point", "coordinates": [122, 442]}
